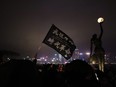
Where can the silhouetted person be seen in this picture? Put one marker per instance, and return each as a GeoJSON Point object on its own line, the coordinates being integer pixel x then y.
{"type": "Point", "coordinates": [98, 51]}
{"type": "Point", "coordinates": [79, 73]}
{"type": "Point", "coordinates": [19, 73]}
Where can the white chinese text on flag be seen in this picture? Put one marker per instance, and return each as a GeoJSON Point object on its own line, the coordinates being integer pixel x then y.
{"type": "Point", "coordinates": [59, 41]}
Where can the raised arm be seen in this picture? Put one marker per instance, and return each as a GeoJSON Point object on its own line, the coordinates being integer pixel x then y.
{"type": "Point", "coordinates": [101, 31]}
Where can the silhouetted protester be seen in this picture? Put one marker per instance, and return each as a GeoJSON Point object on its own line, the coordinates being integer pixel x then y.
{"type": "Point", "coordinates": [51, 77]}
{"type": "Point", "coordinates": [79, 73]}
{"type": "Point", "coordinates": [98, 51]}
{"type": "Point", "coordinates": [19, 73]}
{"type": "Point", "coordinates": [35, 61]}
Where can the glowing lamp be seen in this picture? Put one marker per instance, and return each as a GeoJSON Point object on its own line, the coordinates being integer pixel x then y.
{"type": "Point", "coordinates": [100, 20]}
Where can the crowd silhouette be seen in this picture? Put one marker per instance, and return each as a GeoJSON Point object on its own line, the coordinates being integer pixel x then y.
{"type": "Point", "coordinates": [77, 73]}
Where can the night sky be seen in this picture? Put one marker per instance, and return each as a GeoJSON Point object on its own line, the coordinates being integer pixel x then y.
{"type": "Point", "coordinates": [25, 23]}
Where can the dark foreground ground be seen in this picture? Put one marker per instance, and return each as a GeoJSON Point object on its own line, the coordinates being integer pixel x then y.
{"type": "Point", "coordinates": [23, 73]}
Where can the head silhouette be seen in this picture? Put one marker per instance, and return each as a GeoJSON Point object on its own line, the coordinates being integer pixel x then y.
{"type": "Point", "coordinates": [79, 73]}
{"type": "Point", "coordinates": [94, 36]}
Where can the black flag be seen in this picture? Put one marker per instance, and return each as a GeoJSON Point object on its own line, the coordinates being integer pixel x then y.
{"type": "Point", "coordinates": [59, 41]}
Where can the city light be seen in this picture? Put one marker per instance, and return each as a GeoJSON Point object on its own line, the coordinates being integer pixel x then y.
{"type": "Point", "coordinates": [87, 53]}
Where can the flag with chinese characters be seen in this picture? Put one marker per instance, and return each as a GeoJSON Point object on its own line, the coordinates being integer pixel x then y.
{"type": "Point", "coordinates": [59, 41]}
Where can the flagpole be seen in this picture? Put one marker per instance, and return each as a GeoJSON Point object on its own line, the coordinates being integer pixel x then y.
{"type": "Point", "coordinates": [35, 56]}
{"type": "Point", "coordinates": [40, 46]}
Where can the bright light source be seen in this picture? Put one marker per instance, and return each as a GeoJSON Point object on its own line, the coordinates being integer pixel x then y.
{"type": "Point", "coordinates": [87, 53]}
{"type": "Point", "coordinates": [93, 62]}
{"type": "Point", "coordinates": [80, 53]}
{"type": "Point", "coordinates": [100, 20]}
{"type": "Point", "coordinates": [96, 76]}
